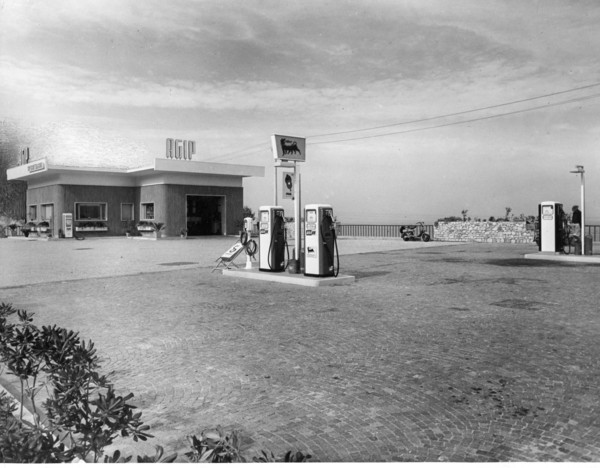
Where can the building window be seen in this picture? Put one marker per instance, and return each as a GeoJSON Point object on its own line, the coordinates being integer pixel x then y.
{"type": "Point", "coordinates": [147, 211]}
{"type": "Point", "coordinates": [127, 212]}
{"type": "Point", "coordinates": [47, 212]}
{"type": "Point", "coordinates": [90, 211]}
{"type": "Point", "coordinates": [32, 213]}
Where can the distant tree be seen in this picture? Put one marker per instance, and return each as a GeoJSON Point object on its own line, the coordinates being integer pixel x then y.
{"type": "Point", "coordinates": [247, 212]}
{"type": "Point", "coordinates": [449, 219]}
{"type": "Point", "coordinates": [12, 193]}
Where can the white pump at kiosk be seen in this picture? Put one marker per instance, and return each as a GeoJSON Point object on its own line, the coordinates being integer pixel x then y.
{"type": "Point", "coordinates": [320, 244]}
{"type": "Point", "coordinates": [552, 220]}
{"type": "Point", "coordinates": [271, 238]}
{"type": "Point", "coordinates": [67, 225]}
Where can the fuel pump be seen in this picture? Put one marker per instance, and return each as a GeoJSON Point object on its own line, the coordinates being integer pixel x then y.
{"type": "Point", "coordinates": [271, 238]}
{"type": "Point", "coordinates": [320, 241]}
{"type": "Point", "coordinates": [552, 226]}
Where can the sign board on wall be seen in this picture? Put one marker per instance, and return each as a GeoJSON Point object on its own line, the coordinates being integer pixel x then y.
{"type": "Point", "coordinates": [288, 148]}
{"type": "Point", "coordinates": [287, 185]}
{"type": "Point", "coordinates": [36, 167]}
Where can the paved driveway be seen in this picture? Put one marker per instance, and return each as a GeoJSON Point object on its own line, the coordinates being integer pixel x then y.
{"type": "Point", "coordinates": [443, 352]}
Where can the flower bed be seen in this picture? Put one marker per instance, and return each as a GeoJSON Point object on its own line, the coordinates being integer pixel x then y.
{"type": "Point", "coordinates": [90, 229]}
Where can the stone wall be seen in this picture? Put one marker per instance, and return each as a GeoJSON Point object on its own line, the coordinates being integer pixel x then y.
{"type": "Point", "coordinates": [484, 231]}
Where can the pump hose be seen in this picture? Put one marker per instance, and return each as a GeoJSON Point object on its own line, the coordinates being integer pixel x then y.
{"type": "Point", "coordinates": [337, 254]}
{"type": "Point", "coordinates": [248, 243]}
{"type": "Point", "coordinates": [330, 254]}
{"type": "Point", "coordinates": [251, 248]}
{"type": "Point", "coordinates": [287, 251]}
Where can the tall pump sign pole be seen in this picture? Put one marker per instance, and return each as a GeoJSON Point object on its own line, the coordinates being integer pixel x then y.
{"type": "Point", "coordinates": [287, 151]}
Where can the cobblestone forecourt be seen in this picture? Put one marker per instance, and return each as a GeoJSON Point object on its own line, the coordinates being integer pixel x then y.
{"type": "Point", "coordinates": [454, 353]}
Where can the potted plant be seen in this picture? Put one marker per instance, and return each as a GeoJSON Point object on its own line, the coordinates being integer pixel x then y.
{"type": "Point", "coordinates": [43, 227]}
{"type": "Point", "coordinates": [151, 229]}
{"type": "Point", "coordinates": [130, 229]}
{"type": "Point", "coordinates": [91, 226]}
{"type": "Point", "coordinates": [158, 228]}
{"type": "Point", "coordinates": [28, 228]}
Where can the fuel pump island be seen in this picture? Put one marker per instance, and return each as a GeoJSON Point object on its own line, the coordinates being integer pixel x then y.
{"type": "Point", "coordinates": [553, 237]}
{"type": "Point", "coordinates": [318, 261]}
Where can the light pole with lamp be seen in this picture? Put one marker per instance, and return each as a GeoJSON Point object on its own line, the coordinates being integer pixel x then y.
{"type": "Point", "coordinates": [582, 236]}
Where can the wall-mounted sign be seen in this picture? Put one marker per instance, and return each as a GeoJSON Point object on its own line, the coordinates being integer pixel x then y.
{"type": "Point", "coordinates": [288, 148]}
{"type": "Point", "coordinates": [288, 185]}
{"type": "Point", "coordinates": [180, 149]}
{"type": "Point", "coordinates": [36, 167]}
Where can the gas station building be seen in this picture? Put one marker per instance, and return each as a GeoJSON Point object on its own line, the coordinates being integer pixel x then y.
{"type": "Point", "coordinates": [203, 197]}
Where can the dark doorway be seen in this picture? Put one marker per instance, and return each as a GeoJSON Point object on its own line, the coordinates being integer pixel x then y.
{"type": "Point", "coordinates": [204, 215]}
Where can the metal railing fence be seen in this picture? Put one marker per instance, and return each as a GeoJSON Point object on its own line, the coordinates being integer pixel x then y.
{"type": "Point", "coordinates": [393, 230]}
{"type": "Point", "coordinates": [594, 231]}
{"type": "Point", "coordinates": [375, 230]}
{"type": "Point", "coordinates": [368, 230]}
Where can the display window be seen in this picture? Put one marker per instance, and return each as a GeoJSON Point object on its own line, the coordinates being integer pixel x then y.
{"type": "Point", "coordinates": [90, 211]}
{"type": "Point", "coordinates": [32, 212]}
{"type": "Point", "coordinates": [47, 212]}
{"type": "Point", "coordinates": [147, 211]}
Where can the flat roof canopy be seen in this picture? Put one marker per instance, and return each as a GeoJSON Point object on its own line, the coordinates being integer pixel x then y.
{"type": "Point", "coordinates": [40, 169]}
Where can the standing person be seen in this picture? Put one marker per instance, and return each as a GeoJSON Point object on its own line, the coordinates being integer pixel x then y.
{"type": "Point", "coordinates": [576, 218]}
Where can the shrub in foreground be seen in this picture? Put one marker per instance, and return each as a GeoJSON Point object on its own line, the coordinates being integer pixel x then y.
{"type": "Point", "coordinates": [83, 414]}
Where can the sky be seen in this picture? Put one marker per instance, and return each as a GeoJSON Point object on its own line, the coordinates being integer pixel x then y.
{"type": "Point", "coordinates": [413, 110]}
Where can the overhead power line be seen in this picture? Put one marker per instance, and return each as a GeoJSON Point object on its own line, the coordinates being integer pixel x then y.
{"type": "Point", "coordinates": [461, 122]}
{"type": "Point", "coordinates": [255, 148]}
{"type": "Point", "coordinates": [454, 114]}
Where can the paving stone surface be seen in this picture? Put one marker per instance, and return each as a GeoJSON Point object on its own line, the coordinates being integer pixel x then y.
{"type": "Point", "coordinates": [450, 353]}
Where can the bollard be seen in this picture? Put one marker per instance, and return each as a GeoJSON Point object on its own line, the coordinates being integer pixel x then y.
{"type": "Point", "coordinates": [587, 246]}
{"type": "Point", "coordinates": [577, 245]}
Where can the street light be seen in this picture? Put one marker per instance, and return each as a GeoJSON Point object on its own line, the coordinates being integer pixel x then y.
{"type": "Point", "coordinates": [581, 171]}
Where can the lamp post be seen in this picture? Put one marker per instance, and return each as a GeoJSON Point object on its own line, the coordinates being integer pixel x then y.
{"type": "Point", "coordinates": [581, 171]}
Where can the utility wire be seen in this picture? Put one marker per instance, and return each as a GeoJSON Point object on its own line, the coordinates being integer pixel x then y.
{"type": "Point", "coordinates": [454, 114]}
{"type": "Point", "coordinates": [250, 149]}
{"type": "Point", "coordinates": [255, 148]}
{"type": "Point", "coordinates": [477, 119]}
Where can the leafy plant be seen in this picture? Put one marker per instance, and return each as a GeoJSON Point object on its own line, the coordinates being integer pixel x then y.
{"type": "Point", "coordinates": [215, 446]}
{"type": "Point", "coordinates": [218, 446]}
{"type": "Point", "coordinates": [158, 457]}
{"type": "Point", "coordinates": [289, 457]}
{"type": "Point", "coordinates": [83, 413]}
{"type": "Point", "coordinates": [27, 228]}
{"type": "Point", "coordinates": [247, 212]}
{"type": "Point", "coordinates": [151, 224]}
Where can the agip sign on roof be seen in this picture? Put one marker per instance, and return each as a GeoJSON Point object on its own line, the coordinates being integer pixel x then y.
{"type": "Point", "coordinates": [180, 149]}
